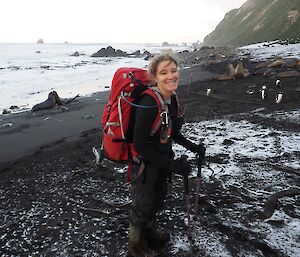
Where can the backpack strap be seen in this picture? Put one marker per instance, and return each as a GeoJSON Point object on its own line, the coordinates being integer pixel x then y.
{"type": "Point", "coordinates": [161, 105]}
{"type": "Point", "coordinates": [177, 104]}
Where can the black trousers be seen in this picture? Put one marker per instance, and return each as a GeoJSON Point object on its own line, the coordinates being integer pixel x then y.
{"type": "Point", "coordinates": [148, 195]}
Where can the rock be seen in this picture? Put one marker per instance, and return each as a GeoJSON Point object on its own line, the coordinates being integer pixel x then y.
{"type": "Point", "coordinates": [40, 41]}
{"type": "Point", "coordinates": [13, 107]}
{"type": "Point", "coordinates": [228, 142]}
{"type": "Point", "coordinates": [6, 125]}
{"type": "Point", "coordinates": [5, 111]}
{"type": "Point", "coordinates": [109, 52]}
{"type": "Point", "coordinates": [76, 54]}
{"type": "Point", "coordinates": [121, 53]}
{"type": "Point", "coordinates": [37, 52]}
{"type": "Point", "coordinates": [137, 53]}
{"type": "Point", "coordinates": [88, 117]}
{"type": "Point", "coordinates": [165, 44]}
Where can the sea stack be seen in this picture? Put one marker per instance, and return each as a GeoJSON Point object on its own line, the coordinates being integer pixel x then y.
{"type": "Point", "coordinates": [40, 41]}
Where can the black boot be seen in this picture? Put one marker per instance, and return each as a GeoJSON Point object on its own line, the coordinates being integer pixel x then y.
{"type": "Point", "coordinates": [137, 243]}
{"type": "Point", "coordinates": [156, 239]}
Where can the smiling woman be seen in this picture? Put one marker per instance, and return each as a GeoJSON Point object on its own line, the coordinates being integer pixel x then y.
{"type": "Point", "coordinates": [155, 156]}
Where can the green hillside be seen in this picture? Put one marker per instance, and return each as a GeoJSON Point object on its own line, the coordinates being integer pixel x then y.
{"type": "Point", "coordinates": [257, 21]}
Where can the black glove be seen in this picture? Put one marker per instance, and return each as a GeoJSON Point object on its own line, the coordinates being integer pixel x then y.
{"type": "Point", "coordinates": [181, 166]}
{"type": "Point", "coordinates": [198, 149]}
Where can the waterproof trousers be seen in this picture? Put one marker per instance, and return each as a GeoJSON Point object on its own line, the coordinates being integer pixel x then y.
{"type": "Point", "coordinates": [148, 195]}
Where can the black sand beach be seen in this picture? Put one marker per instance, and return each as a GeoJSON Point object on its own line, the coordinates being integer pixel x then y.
{"type": "Point", "coordinates": [53, 198]}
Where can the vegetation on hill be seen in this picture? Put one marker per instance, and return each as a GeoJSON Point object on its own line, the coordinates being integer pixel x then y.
{"type": "Point", "coordinates": [258, 21]}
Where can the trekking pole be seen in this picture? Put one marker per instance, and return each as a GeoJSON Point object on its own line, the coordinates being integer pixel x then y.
{"type": "Point", "coordinates": [198, 183]}
{"type": "Point", "coordinates": [188, 92]}
{"type": "Point", "coordinates": [188, 207]}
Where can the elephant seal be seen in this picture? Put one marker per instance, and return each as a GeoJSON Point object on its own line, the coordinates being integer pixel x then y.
{"type": "Point", "coordinates": [286, 74]}
{"type": "Point", "coordinates": [49, 103]}
{"type": "Point", "coordinates": [229, 75]}
{"type": "Point", "coordinates": [52, 100]}
{"type": "Point", "coordinates": [240, 72]}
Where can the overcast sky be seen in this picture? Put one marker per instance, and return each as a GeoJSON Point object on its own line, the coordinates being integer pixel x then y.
{"type": "Point", "coordinates": [111, 21]}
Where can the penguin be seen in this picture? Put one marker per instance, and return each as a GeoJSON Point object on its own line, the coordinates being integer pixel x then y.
{"type": "Point", "coordinates": [208, 92]}
{"type": "Point", "coordinates": [263, 91]}
{"type": "Point", "coordinates": [277, 83]}
{"type": "Point", "coordinates": [279, 96]}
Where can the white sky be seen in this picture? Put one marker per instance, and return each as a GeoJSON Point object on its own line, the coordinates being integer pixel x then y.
{"type": "Point", "coordinates": [111, 21]}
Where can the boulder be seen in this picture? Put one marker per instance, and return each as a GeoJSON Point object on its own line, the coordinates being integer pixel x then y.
{"type": "Point", "coordinates": [5, 111]}
{"type": "Point", "coordinates": [40, 41]}
{"type": "Point", "coordinates": [137, 53]}
{"type": "Point", "coordinates": [76, 54]}
{"type": "Point", "coordinates": [109, 52]}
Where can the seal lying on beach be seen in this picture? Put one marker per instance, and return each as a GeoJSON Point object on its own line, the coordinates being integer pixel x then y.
{"type": "Point", "coordinates": [52, 100]}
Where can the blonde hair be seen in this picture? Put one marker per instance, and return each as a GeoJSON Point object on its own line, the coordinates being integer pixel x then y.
{"type": "Point", "coordinates": [157, 59]}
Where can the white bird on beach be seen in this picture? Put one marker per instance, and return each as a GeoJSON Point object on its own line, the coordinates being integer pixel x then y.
{"type": "Point", "coordinates": [263, 91]}
{"type": "Point", "coordinates": [280, 94]}
{"type": "Point", "coordinates": [208, 92]}
{"type": "Point", "coordinates": [279, 97]}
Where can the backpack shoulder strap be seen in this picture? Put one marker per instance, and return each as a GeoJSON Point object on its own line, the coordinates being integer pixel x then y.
{"type": "Point", "coordinates": [176, 100]}
{"type": "Point", "coordinates": [161, 105]}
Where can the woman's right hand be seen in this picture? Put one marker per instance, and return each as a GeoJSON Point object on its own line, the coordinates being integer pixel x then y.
{"type": "Point", "coordinates": [181, 166]}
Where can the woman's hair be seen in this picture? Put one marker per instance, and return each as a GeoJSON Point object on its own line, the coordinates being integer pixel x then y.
{"type": "Point", "coordinates": [157, 59]}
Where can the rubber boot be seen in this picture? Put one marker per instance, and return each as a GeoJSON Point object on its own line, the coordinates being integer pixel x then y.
{"type": "Point", "coordinates": [155, 238]}
{"type": "Point", "coordinates": [137, 244]}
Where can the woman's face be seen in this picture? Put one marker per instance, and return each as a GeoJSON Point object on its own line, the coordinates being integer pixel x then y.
{"type": "Point", "coordinates": [167, 77]}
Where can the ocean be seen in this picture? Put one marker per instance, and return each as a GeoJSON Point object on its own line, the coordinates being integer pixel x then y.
{"type": "Point", "coordinates": [28, 72]}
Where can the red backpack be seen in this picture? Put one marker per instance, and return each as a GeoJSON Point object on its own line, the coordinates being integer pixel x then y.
{"type": "Point", "coordinates": [128, 85]}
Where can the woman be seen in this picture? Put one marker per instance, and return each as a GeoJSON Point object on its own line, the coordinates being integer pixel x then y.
{"type": "Point", "coordinates": [150, 189]}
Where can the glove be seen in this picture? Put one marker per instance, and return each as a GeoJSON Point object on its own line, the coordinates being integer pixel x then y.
{"type": "Point", "coordinates": [198, 149]}
{"type": "Point", "coordinates": [181, 166]}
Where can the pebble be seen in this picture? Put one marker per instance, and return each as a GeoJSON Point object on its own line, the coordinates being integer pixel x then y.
{"type": "Point", "coordinates": [88, 117]}
{"type": "Point", "coordinates": [6, 125]}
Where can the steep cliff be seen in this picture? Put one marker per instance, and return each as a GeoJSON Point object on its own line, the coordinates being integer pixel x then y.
{"type": "Point", "coordinates": [257, 21]}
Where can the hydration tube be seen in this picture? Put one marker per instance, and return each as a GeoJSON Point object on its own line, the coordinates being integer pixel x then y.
{"type": "Point", "coordinates": [136, 105]}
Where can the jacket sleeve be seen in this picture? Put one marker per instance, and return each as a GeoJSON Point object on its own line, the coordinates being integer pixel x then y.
{"type": "Point", "coordinates": [144, 119]}
{"type": "Point", "coordinates": [180, 139]}
{"type": "Point", "coordinates": [177, 135]}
